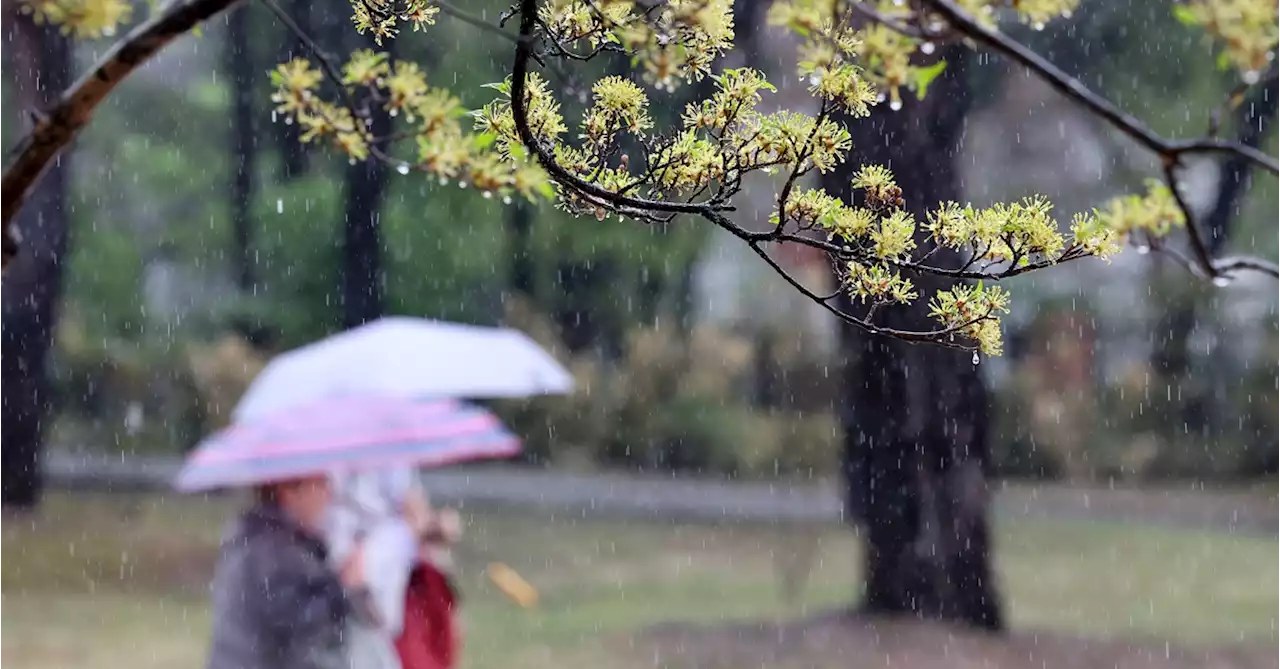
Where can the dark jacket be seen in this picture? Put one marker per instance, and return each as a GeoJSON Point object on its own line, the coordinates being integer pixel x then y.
{"type": "Point", "coordinates": [277, 604]}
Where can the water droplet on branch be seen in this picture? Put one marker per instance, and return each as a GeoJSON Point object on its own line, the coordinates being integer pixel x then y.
{"type": "Point", "coordinates": [403, 168]}
{"type": "Point", "coordinates": [928, 48]}
{"type": "Point", "coordinates": [976, 359]}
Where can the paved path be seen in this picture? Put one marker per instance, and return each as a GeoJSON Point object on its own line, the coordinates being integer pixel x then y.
{"type": "Point", "coordinates": [718, 500]}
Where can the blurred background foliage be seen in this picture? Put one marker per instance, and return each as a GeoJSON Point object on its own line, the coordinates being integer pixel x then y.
{"type": "Point", "coordinates": [155, 341]}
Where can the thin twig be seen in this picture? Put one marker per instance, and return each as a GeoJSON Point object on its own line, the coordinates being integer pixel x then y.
{"type": "Point", "coordinates": [519, 111]}
{"type": "Point", "coordinates": [473, 20]}
{"type": "Point", "coordinates": [877, 16]}
{"type": "Point", "coordinates": [1204, 261]}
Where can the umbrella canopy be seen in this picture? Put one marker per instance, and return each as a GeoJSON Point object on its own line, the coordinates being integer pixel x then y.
{"type": "Point", "coordinates": [343, 434]}
{"type": "Point", "coordinates": [406, 357]}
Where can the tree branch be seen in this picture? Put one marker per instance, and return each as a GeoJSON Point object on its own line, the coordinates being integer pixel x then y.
{"type": "Point", "coordinates": [1171, 152]}
{"type": "Point", "coordinates": [519, 111]}
{"type": "Point", "coordinates": [58, 126]}
{"type": "Point", "coordinates": [471, 19]}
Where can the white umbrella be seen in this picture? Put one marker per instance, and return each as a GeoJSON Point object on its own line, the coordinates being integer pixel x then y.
{"type": "Point", "coordinates": [406, 357]}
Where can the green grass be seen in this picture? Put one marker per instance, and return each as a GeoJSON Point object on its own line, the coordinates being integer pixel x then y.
{"type": "Point", "coordinates": [110, 581]}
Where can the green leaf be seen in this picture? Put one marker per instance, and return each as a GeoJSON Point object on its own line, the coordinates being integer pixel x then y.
{"type": "Point", "coordinates": [198, 30]}
{"type": "Point", "coordinates": [518, 151]}
{"type": "Point", "coordinates": [1185, 15]}
{"type": "Point", "coordinates": [980, 285]}
{"type": "Point", "coordinates": [484, 140]}
{"type": "Point", "coordinates": [926, 75]}
{"type": "Point", "coordinates": [1224, 62]}
{"type": "Point", "coordinates": [546, 190]}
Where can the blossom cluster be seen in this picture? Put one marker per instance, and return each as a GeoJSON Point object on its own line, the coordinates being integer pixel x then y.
{"type": "Point", "coordinates": [445, 148]}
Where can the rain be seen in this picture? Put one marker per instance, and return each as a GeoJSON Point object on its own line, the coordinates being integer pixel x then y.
{"type": "Point", "coordinates": [400, 334]}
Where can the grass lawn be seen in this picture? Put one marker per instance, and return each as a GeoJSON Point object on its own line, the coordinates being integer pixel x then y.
{"type": "Point", "coordinates": [118, 580]}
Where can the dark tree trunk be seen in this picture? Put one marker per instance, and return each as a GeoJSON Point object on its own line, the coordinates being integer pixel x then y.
{"type": "Point", "coordinates": [292, 152]}
{"type": "Point", "coordinates": [33, 282]}
{"type": "Point", "coordinates": [362, 273]}
{"type": "Point", "coordinates": [239, 64]}
{"type": "Point", "coordinates": [519, 234]}
{"type": "Point", "coordinates": [1171, 357]}
{"type": "Point", "coordinates": [916, 428]}
{"type": "Point", "coordinates": [576, 314]}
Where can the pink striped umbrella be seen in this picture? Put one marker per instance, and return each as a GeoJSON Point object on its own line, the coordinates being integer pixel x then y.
{"type": "Point", "coordinates": [343, 434]}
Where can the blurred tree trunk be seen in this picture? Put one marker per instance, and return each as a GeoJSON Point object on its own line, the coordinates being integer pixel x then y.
{"type": "Point", "coordinates": [916, 433]}
{"type": "Point", "coordinates": [33, 282]}
{"type": "Point", "coordinates": [291, 151]}
{"type": "Point", "coordinates": [520, 235]}
{"type": "Point", "coordinates": [1171, 356]}
{"type": "Point", "coordinates": [577, 312]}
{"type": "Point", "coordinates": [238, 62]}
{"type": "Point", "coordinates": [366, 185]}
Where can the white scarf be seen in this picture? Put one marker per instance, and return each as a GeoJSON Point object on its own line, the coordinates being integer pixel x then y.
{"type": "Point", "coordinates": [368, 506]}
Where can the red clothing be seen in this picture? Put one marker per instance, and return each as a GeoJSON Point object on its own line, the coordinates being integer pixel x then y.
{"type": "Point", "coordinates": [430, 636]}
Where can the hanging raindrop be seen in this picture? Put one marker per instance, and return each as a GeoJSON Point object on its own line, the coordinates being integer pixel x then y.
{"type": "Point", "coordinates": [1222, 281]}
{"type": "Point", "coordinates": [1037, 26]}
{"type": "Point", "coordinates": [273, 116]}
{"type": "Point", "coordinates": [895, 105]}
{"type": "Point", "coordinates": [506, 199]}
{"type": "Point", "coordinates": [976, 359]}
{"type": "Point", "coordinates": [1251, 77]}
{"type": "Point", "coordinates": [403, 168]}
{"type": "Point", "coordinates": [488, 195]}
{"type": "Point", "coordinates": [1143, 249]}
{"type": "Point", "coordinates": [927, 48]}
{"type": "Point", "coordinates": [444, 181]}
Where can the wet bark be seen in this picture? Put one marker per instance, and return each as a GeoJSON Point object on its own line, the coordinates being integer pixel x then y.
{"type": "Point", "coordinates": [33, 281]}
{"type": "Point", "coordinates": [238, 62]}
{"type": "Point", "coordinates": [916, 452]}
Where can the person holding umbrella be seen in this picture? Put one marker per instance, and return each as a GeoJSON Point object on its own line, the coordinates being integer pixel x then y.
{"type": "Point", "coordinates": [284, 598]}
{"type": "Point", "coordinates": [277, 604]}
{"type": "Point", "coordinates": [371, 399]}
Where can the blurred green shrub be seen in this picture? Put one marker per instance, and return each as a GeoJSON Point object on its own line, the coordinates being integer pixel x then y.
{"type": "Point", "coordinates": [111, 393]}
{"type": "Point", "coordinates": [671, 402]}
